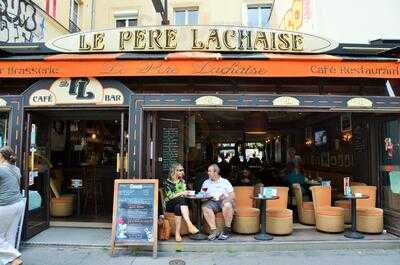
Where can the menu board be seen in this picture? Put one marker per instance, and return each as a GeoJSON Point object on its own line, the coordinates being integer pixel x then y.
{"type": "Point", "coordinates": [135, 212]}
{"type": "Point", "coordinates": [171, 144]}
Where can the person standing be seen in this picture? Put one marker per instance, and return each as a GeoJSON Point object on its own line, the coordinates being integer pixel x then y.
{"type": "Point", "coordinates": [223, 199]}
{"type": "Point", "coordinates": [174, 198]}
{"type": "Point", "coordinates": [11, 206]}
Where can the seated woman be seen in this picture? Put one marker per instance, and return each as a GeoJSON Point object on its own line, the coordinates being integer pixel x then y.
{"type": "Point", "coordinates": [174, 199]}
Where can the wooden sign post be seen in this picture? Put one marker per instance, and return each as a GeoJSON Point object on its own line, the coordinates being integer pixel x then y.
{"type": "Point", "coordinates": [135, 213]}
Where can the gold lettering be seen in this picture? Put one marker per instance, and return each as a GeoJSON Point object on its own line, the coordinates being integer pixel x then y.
{"type": "Point", "coordinates": [197, 45]}
{"type": "Point", "coordinates": [140, 37]}
{"type": "Point", "coordinates": [124, 36]}
{"type": "Point", "coordinates": [298, 42]}
{"type": "Point", "coordinates": [245, 35]}
{"type": "Point", "coordinates": [83, 46]}
{"type": "Point", "coordinates": [284, 44]}
{"type": "Point", "coordinates": [170, 39]}
{"type": "Point", "coordinates": [261, 38]}
{"type": "Point", "coordinates": [98, 41]}
{"type": "Point", "coordinates": [229, 33]}
{"type": "Point", "coordinates": [273, 41]}
{"type": "Point", "coordinates": [213, 38]}
{"type": "Point", "coordinates": [154, 39]}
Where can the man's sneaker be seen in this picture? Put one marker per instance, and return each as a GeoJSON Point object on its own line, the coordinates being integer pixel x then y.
{"type": "Point", "coordinates": [213, 235]}
{"type": "Point", "coordinates": [225, 234]}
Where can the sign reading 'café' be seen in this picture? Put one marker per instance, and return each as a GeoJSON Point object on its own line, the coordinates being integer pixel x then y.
{"type": "Point", "coordinates": [191, 38]}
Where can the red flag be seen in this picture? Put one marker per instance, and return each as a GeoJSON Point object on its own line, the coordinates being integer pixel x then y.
{"type": "Point", "coordinates": [51, 7]}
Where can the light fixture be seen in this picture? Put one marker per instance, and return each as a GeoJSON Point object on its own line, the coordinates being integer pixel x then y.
{"type": "Point", "coordinates": [309, 142]}
{"type": "Point", "coordinates": [94, 136]}
{"type": "Point", "coordinates": [255, 123]}
{"type": "Point", "coordinates": [347, 136]}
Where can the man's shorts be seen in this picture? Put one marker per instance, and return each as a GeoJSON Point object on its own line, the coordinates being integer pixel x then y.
{"type": "Point", "coordinates": [216, 206]}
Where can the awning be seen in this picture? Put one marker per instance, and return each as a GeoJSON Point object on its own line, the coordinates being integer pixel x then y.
{"type": "Point", "coordinates": [197, 64]}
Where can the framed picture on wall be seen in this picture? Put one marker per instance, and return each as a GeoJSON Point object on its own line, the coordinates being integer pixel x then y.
{"type": "Point", "coordinates": [345, 122]}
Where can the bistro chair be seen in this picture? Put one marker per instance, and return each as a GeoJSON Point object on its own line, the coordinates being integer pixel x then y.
{"type": "Point", "coordinates": [346, 205]}
{"type": "Point", "coordinates": [279, 218]}
{"type": "Point", "coordinates": [327, 218]}
{"type": "Point", "coordinates": [369, 218]}
{"type": "Point", "coordinates": [305, 209]}
{"type": "Point", "coordinates": [246, 219]}
{"type": "Point", "coordinates": [171, 217]}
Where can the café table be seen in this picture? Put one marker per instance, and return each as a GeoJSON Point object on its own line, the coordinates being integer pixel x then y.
{"type": "Point", "coordinates": [352, 233]}
{"type": "Point", "coordinates": [198, 200]}
{"type": "Point", "coordinates": [263, 220]}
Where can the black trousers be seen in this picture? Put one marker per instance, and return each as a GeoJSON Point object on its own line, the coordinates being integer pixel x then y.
{"type": "Point", "coordinates": [174, 205]}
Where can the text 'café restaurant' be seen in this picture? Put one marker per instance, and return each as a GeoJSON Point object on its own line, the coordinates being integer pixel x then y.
{"type": "Point", "coordinates": [89, 108]}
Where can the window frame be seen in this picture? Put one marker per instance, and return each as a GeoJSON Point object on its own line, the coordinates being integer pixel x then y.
{"type": "Point", "coordinates": [126, 16]}
{"type": "Point", "coordinates": [186, 10]}
{"type": "Point", "coordinates": [259, 7]}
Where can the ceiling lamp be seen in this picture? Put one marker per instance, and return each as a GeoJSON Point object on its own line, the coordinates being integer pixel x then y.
{"type": "Point", "coordinates": [255, 123]}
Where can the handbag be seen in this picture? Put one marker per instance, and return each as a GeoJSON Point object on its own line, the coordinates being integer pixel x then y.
{"type": "Point", "coordinates": [164, 228]}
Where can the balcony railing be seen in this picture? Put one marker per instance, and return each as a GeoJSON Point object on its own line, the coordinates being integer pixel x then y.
{"type": "Point", "coordinates": [73, 27]}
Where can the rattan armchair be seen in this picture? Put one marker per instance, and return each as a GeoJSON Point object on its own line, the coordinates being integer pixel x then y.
{"type": "Point", "coordinates": [305, 209]}
{"type": "Point", "coordinates": [279, 218]}
{"type": "Point", "coordinates": [246, 219]}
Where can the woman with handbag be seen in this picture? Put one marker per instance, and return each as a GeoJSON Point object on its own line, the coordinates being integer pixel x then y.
{"type": "Point", "coordinates": [174, 199]}
{"type": "Point", "coordinates": [11, 207]}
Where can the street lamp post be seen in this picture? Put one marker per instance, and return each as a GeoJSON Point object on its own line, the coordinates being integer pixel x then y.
{"type": "Point", "coordinates": [162, 9]}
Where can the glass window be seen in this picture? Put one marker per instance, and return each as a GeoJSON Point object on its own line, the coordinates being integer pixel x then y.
{"type": "Point", "coordinates": [126, 22]}
{"type": "Point", "coordinates": [258, 16]}
{"type": "Point", "coordinates": [186, 17]}
{"type": "Point", "coordinates": [75, 12]}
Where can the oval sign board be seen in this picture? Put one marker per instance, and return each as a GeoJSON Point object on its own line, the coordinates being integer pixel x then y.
{"type": "Point", "coordinates": [286, 102]}
{"type": "Point", "coordinates": [191, 38]}
{"type": "Point", "coordinates": [359, 103]}
{"type": "Point", "coordinates": [209, 101]}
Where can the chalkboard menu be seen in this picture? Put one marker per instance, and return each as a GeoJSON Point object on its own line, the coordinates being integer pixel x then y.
{"type": "Point", "coordinates": [171, 144]}
{"type": "Point", "coordinates": [358, 140]}
{"type": "Point", "coordinates": [170, 147]}
{"type": "Point", "coordinates": [135, 212]}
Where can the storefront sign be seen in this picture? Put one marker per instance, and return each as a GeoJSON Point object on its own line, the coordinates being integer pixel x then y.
{"type": "Point", "coordinates": [191, 38]}
{"type": "Point", "coordinates": [209, 101]}
{"type": "Point", "coordinates": [286, 102]}
{"type": "Point", "coordinates": [76, 91]}
{"type": "Point", "coordinates": [359, 103]}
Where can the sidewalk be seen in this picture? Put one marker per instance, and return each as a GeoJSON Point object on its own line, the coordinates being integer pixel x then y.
{"type": "Point", "coordinates": [87, 256]}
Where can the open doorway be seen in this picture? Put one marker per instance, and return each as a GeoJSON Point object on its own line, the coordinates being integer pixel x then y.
{"type": "Point", "coordinates": [74, 157]}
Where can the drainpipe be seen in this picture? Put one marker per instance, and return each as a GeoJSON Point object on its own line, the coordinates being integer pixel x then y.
{"type": "Point", "coordinates": [93, 15]}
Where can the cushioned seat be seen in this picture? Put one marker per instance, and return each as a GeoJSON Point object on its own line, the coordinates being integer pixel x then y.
{"type": "Point", "coordinates": [369, 218]}
{"type": "Point", "coordinates": [308, 206]}
{"type": "Point", "coordinates": [279, 213]}
{"type": "Point", "coordinates": [331, 211]}
{"type": "Point", "coordinates": [279, 218]}
{"type": "Point", "coordinates": [343, 204]}
{"type": "Point", "coordinates": [327, 218]}
{"type": "Point", "coordinates": [369, 211]}
{"type": "Point", "coordinates": [246, 219]}
{"type": "Point", "coordinates": [305, 210]}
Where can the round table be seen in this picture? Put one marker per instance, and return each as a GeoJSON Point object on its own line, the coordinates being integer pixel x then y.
{"type": "Point", "coordinates": [198, 201]}
{"type": "Point", "coordinates": [263, 220]}
{"type": "Point", "coordinates": [352, 233]}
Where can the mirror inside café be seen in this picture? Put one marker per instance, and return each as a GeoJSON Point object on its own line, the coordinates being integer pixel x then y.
{"type": "Point", "coordinates": [77, 152]}
{"type": "Point", "coordinates": [272, 148]}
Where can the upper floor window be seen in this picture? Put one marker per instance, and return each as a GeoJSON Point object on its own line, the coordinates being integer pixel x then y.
{"type": "Point", "coordinates": [74, 16]}
{"type": "Point", "coordinates": [258, 15]}
{"type": "Point", "coordinates": [188, 16]}
{"type": "Point", "coordinates": [126, 19]}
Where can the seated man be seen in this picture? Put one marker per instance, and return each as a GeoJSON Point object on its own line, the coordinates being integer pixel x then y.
{"type": "Point", "coordinates": [223, 200]}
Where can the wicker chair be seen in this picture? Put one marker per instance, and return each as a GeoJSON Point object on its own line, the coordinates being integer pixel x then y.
{"type": "Point", "coordinates": [279, 218]}
{"type": "Point", "coordinates": [369, 218]}
{"type": "Point", "coordinates": [327, 218]}
{"type": "Point", "coordinates": [246, 219]}
{"type": "Point", "coordinates": [346, 205]}
{"type": "Point", "coordinates": [171, 217]}
{"type": "Point", "coordinates": [305, 209]}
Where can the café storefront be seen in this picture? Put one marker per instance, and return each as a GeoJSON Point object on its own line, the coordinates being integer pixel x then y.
{"type": "Point", "coordinates": [127, 103]}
